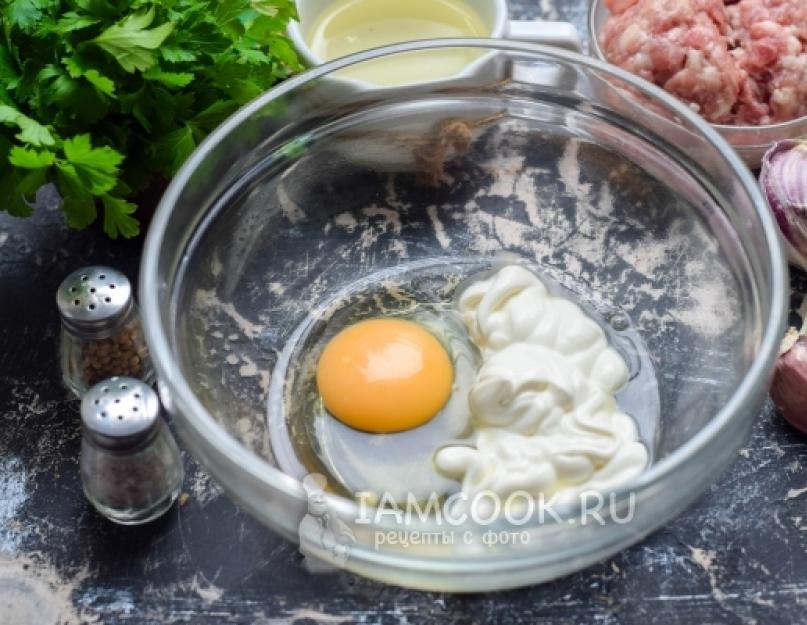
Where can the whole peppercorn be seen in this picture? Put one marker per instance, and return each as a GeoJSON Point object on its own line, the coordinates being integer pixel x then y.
{"type": "Point", "coordinates": [119, 355]}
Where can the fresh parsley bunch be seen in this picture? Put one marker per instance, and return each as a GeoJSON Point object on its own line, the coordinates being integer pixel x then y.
{"type": "Point", "coordinates": [101, 97]}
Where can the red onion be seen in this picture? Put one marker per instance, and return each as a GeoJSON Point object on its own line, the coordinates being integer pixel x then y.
{"type": "Point", "coordinates": [789, 390]}
{"type": "Point", "coordinates": [784, 181]}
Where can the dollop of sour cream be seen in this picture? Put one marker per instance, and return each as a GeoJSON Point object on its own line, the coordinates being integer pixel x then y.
{"type": "Point", "coordinates": [543, 400]}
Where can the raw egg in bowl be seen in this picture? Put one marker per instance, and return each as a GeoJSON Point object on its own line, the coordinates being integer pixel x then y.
{"type": "Point", "coordinates": [384, 375]}
{"type": "Point", "coordinates": [501, 383]}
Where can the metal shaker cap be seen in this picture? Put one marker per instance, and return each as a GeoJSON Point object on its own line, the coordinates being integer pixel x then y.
{"type": "Point", "coordinates": [94, 301]}
{"type": "Point", "coordinates": [120, 412]}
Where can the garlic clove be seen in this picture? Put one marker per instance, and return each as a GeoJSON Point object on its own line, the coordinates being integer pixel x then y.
{"type": "Point", "coordinates": [789, 389]}
{"type": "Point", "coordinates": [784, 182]}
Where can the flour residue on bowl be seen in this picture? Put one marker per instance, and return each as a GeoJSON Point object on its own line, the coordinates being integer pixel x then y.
{"type": "Point", "coordinates": [708, 309]}
{"type": "Point", "coordinates": [595, 223]}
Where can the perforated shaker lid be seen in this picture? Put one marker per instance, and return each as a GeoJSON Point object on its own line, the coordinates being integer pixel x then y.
{"type": "Point", "coordinates": [94, 301]}
{"type": "Point", "coordinates": [120, 412]}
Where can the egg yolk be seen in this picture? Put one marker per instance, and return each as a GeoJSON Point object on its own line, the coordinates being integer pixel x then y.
{"type": "Point", "coordinates": [384, 375]}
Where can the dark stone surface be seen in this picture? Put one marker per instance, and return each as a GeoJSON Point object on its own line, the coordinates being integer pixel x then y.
{"type": "Point", "coordinates": [736, 556]}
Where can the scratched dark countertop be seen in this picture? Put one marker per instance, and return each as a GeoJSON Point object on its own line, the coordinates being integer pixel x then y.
{"type": "Point", "coordinates": [736, 556]}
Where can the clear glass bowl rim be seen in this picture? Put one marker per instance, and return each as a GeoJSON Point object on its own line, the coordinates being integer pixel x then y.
{"type": "Point", "coordinates": [179, 395]}
{"type": "Point", "coordinates": [594, 42]}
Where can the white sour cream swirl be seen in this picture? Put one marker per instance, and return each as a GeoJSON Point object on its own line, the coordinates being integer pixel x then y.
{"type": "Point", "coordinates": [543, 399]}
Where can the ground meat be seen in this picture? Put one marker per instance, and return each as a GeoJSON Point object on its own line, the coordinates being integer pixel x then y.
{"type": "Point", "coordinates": [739, 63]}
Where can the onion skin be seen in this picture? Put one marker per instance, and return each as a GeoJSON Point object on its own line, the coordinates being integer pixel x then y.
{"type": "Point", "coordinates": [784, 181]}
{"type": "Point", "coordinates": [789, 390]}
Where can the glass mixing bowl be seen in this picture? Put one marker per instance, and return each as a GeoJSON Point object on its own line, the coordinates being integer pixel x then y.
{"type": "Point", "coordinates": [320, 185]}
{"type": "Point", "coordinates": [751, 142]}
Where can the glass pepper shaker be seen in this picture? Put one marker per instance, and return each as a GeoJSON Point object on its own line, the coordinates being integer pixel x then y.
{"type": "Point", "coordinates": [131, 469]}
{"type": "Point", "coordinates": [101, 335]}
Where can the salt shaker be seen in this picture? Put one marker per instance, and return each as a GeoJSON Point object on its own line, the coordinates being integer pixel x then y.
{"type": "Point", "coordinates": [101, 335]}
{"type": "Point", "coordinates": [131, 469]}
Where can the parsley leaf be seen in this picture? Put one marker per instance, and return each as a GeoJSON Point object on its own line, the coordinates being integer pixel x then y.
{"type": "Point", "coordinates": [77, 69]}
{"type": "Point", "coordinates": [103, 98]}
{"type": "Point", "coordinates": [132, 43]}
{"type": "Point", "coordinates": [25, 13]}
{"type": "Point", "coordinates": [174, 148]}
{"type": "Point", "coordinates": [97, 168]}
{"type": "Point", "coordinates": [9, 77]}
{"type": "Point", "coordinates": [78, 203]}
{"type": "Point", "coordinates": [169, 79]}
{"type": "Point", "coordinates": [30, 131]}
{"type": "Point", "coordinates": [18, 189]}
{"type": "Point", "coordinates": [30, 159]}
{"type": "Point", "coordinates": [72, 21]}
{"type": "Point", "coordinates": [118, 218]}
